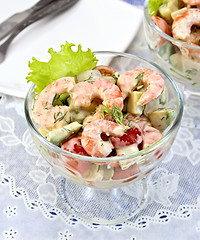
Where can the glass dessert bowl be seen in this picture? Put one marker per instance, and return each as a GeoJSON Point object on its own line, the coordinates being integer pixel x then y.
{"type": "Point", "coordinates": [177, 57]}
{"type": "Point", "coordinates": [95, 188]}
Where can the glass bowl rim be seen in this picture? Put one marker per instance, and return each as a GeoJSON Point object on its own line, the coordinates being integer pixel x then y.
{"type": "Point", "coordinates": [115, 158]}
{"type": "Point", "coordinates": [174, 41]}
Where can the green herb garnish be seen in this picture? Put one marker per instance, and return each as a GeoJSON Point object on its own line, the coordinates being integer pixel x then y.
{"type": "Point", "coordinates": [56, 96]}
{"type": "Point", "coordinates": [118, 116]}
{"type": "Point", "coordinates": [192, 71]}
{"type": "Point", "coordinates": [59, 116]}
{"type": "Point", "coordinates": [89, 79]}
{"type": "Point", "coordinates": [139, 78]}
{"type": "Point", "coordinates": [116, 113]}
{"type": "Point", "coordinates": [115, 76]}
{"type": "Point", "coordinates": [173, 70]}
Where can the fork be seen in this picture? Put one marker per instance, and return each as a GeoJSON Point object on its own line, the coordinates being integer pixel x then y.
{"type": "Point", "coordinates": [7, 26]}
{"type": "Point", "coordinates": [54, 7]}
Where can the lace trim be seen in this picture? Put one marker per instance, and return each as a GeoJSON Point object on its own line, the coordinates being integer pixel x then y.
{"type": "Point", "coordinates": [162, 216]}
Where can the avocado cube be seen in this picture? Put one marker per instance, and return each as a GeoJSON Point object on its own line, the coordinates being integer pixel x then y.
{"type": "Point", "coordinates": [132, 105]}
{"type": "Point", "coordinates": [167, 8]}
{"type": "Point", "coordinates": [161, 118]}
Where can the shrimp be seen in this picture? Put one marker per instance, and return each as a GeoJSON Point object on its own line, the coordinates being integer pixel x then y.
{"type": "Point", "coordinates": [142, 76]}
{"type": "Point", "coordinates": [163, 25]}
{"type": "Point", "coordinates": [192, 2]}
{"type": "Point", "coordinates": [182, 26]}
{"type": "Point", "coordinates": [150, 136]}
{"type": "Point", "coordinates": [91, 137]}
{"type": "Point", "coordinates": [45, 113]}
{"type": "Point", "coordinates": [85, 92]}
{"type": "Point", "coordinates": [105, 70]}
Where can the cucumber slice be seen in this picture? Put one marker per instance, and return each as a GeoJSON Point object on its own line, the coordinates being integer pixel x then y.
{"type": "Point", "coordinates": [57, 136]}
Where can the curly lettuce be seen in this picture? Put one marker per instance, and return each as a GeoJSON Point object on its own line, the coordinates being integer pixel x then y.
{"type": "Point", "coordinates": [64, 63]}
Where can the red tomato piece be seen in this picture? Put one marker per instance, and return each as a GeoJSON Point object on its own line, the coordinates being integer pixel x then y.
{"type": "Point", "coordinates": [74, 145]}
{"type": "Point", "coordinates": [131, 136]}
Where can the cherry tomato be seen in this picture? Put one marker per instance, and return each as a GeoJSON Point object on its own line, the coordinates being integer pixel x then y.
{"type": "Point", "coordinates": [131, 136]}
{"type": "Point", "coordinates": [74, 145]}
{"type": "Point", "coordinates": [74, 165]}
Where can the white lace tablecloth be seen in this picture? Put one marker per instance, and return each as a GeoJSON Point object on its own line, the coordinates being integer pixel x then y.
{"type": "Point", "coordinates": [31, 207]}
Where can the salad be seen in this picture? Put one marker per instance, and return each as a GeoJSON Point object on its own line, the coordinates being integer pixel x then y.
{"type": "Point", "coordinates": [92, 110]}
{"type": "Point", "coordinates": [180, 20]}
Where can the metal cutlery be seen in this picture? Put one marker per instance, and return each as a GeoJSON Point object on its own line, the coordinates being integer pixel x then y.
{"type": "Point", "coordinates": [7, 26]}
{"type": "Point", "coordinates": [54, 7]}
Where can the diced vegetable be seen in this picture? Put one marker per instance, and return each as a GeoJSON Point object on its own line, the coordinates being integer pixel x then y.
{"type": "Point", "coordinates": [162, 118]}
{"type": "Point", "coordinates": [154, 5]}
{"type": "Point", "coordinates": [88, 75]}
{"type": "Point", "coordinates": [59, 135]}
{"type": "Point", "coordinates": [167, 8]}
{"type": "Point", "coordinates": [132, 106]}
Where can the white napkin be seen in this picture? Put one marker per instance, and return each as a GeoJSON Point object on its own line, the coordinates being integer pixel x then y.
{"type": "Point", "coordinates": [98, 25]}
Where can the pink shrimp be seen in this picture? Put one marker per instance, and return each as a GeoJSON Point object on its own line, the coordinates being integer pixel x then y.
{"type": "Point", "coordinates": [182, 25]}
{"type": "Point", "coordinates": [142, 76]}
{"type": "Point", "coordinates": [192, 2]}
{"type": "Point", "coordinates": [163, 25]}
{"type": "Point", "coordinates": [150, 136]}
{"type": "Point", "coordinates": [85, 92]}
{"type": "Point", "coordinates": [45, 113]}
{"type": "Point", "coordinates": [105, 70]}
{"type": "Point", "coordinates": [91, 137]}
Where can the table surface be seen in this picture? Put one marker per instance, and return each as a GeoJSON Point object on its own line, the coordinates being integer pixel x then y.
{"type": "Point", "coordinates": [30, 207]}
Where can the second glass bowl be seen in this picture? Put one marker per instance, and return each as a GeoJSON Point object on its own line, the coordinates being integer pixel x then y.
{"type": "Point", "coordinates": [177, 58]}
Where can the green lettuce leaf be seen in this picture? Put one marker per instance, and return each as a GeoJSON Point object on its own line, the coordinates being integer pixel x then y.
{"type": "Point", "coordinates": [154, 5]}
{"type": "Point", "coordinates": [65, 63]}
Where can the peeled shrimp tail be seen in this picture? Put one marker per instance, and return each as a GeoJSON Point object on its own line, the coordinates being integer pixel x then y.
{"type": "Point", "coordinates": [45, 113]}
{"type": "Point", "coordinates": [182, 24]}
{"type": "Point", "coordinates": [108, 92]}
{"type": "Point", "coordinates": [192, 2]}
{"type": "Point", "coordinates": [143, 77]}
{"type": "Point", "coordinates": [91, 137]}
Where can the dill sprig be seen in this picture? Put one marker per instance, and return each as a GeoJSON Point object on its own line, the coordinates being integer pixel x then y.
{"type": "Point", "coordinates": [117, 114]}
{"type": "Point", "coordinates": [139, 78]}
{"type": "Point", "coordinates": [59, 116]}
